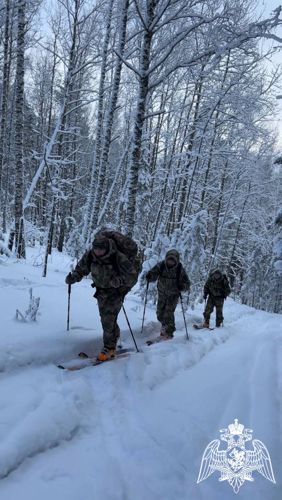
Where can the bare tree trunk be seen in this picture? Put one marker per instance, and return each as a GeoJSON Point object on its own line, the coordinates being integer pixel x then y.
{"type": "Point", "coordinates": [197, 95]}
{"type": "Point", "coordinates": [214, 134]}
{"type": "Point", "coordinates": [5, 87]}
{"type": "Point", "coordinates": [219, 206]}
{"type": "Point", "coordinates": [98, 138]}
{"type": "Point", "coordinates": [7, 177]}
{"type": "Point", "coordinates": [45, 181]}
{"type": "Point", "coordinates": [238, 230]}
{"type": "Point", "coordinates": [225, 215]}
{"type": "Point", "coordinates": [49, 239]}
{"type": "Point", "coordinates": [19, 216]}
{"type": "Point", "coordinates": [170, 162]}
{"type": "Point", "coordinates": [139, 120]}
{"type": "Point", "coordinates": [110, 119]}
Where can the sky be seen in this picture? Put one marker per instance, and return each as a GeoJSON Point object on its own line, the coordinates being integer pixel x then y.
{"type": "Point", "coordinates": [266, 7]}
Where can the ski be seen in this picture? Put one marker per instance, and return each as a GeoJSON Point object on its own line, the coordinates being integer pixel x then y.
{"type": "Point", "coordinates": [118, 351]}
{"type": "Point", "coordinates": [161, 338]}
{"type": "Point", "coordinates": [200, 327]}
{"type": "Point", "coordinates": [93, 362]}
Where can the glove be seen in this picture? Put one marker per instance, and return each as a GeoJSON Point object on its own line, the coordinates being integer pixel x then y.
{"type": "Point", "coordinates": [223, 294]}
{"type": "Point", "coordinates": [148, 276]}
{"type": "Point", "coordinates": [205, 296]}
{"type": "Point", "coordinates": [181, 288]}
{"type": "Point", "coordinates": [70, 279]}
{"type": "Point", "coordinates": [116, 282]}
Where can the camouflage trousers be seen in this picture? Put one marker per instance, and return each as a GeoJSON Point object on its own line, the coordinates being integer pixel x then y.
{"type": "Point", "coordinates": [165, 311]}
{"type": "Point", "coordinates": [216, 302]}
{"type": "Point", "coordinates": [109, 303]}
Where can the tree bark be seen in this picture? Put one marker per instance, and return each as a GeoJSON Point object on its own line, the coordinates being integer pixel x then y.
{"type": "Point", "coordinates": [5, 87]}
{"type": "Point", "coordinates": [139, 120]}
{"type": "Point", "coordinates": [19, 105]}
{"type": "Point", "coordinates": [98, 138]}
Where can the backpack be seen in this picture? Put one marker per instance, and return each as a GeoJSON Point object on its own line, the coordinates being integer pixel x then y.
{"type": "Point", "coordinates": [126, 246]}
{"type": "Point", "coordinates": [178, 271]}
{"type": "Point", "coordinates": [224, 279]}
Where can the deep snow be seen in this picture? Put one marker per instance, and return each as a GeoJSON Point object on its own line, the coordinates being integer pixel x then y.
{"type": "Point", "coordinates": [134, 429]}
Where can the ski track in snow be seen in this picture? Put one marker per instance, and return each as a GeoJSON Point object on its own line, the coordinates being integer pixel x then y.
{"type": "Point", "coordinates": [135, 429]}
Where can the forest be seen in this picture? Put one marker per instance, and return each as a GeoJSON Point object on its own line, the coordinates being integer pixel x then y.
{"type": "Point", "coordinates": [151, 117]}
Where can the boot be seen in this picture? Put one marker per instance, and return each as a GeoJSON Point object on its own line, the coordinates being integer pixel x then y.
{"type": "Point", "coordinates": [106, 354]}
{"type": "Point", "coordinates": [206, 325]}
{"type": "Point", "coordinates": [167, 337]}
{"type": "Point", "coordinates": [163, 332]}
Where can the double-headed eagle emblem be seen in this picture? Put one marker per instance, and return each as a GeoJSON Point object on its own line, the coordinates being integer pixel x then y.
{"type": "Point", "coordinates": [236, 464]}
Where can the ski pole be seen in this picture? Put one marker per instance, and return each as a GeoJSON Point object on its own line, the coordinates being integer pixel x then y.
{"type": "Point", "coordinates": [69, 294]}
{"type": "Point", "coordinates": [146, 294]}
{"type": "Point", "coordinates": [183, 315]}
{"type": "Point", "coordinates": [130, 328]}
{"type": "Point", "coordinates": [119, 344]}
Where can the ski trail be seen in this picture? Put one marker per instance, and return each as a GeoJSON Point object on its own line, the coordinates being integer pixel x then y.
{"type": "Point", "coordinates": [237, 380]}
{"type": "Point", "coordinates": [141, 424]}
{"type": "Point", "coordinates": [124, 436]}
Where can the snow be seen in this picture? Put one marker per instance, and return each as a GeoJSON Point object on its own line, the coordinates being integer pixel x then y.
{"type": "Point", "coordinates": [136, 428]}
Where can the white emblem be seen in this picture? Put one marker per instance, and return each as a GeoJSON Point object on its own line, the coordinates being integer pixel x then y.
{"type": "Point", "coordinates": [236, 464]}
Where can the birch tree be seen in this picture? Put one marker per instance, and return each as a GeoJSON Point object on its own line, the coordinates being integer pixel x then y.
{"type": "Point", "coordinates": [19, 215]}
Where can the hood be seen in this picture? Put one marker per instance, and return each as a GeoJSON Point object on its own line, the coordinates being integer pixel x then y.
{"type": "Point", "coordinates": [216, 271]}
{"type": "Point", "coordinates": [101, 240]}
{"type": "Point", "coordinates": [173, 254]}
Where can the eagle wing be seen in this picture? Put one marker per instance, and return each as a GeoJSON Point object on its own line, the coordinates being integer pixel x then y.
{"type": "Point", "coordinates": [259, 459]}
{"type": "Point", "coordinates": [212, 460]}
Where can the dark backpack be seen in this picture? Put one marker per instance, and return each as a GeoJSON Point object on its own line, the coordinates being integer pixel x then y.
{"type": "Point", "coordinates": [126, 246]}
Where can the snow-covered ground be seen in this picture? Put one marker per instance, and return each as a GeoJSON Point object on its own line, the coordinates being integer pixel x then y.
{"type": "Point", "coordinates": [133, 429]}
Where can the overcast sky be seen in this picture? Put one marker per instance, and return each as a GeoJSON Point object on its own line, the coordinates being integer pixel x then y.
{"type": "Point", "coordinates": [265, 7]}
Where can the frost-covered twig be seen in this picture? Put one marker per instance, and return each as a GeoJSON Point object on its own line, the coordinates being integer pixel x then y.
{"type": "Point", "coordinates": [30, 313]}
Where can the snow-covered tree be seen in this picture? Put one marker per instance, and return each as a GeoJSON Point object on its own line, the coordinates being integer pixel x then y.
{"type": "Point", "coordinates": [153, 255]}
{"type": "Point", "coordinates": [277, 243]}
{"type": "Point", "coordinates": [193, 252]}
{"type": "Point", "coordinates": [3, 248]}
{"type": "Point", "coordinates": [75, 245]}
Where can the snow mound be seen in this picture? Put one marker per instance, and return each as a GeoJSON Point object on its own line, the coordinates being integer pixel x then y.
{"type": "Point", "coordinates": [45, 416]}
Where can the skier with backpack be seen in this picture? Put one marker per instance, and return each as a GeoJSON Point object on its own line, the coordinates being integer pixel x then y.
{"type": "Point", "coordinates": [217, 288]}
{"type": "Point", "coordinates": [114, 267]}
{"type": "Point", "coordinates": [172, 280]}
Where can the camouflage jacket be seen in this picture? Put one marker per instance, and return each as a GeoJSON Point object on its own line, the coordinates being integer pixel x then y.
{"type": "Point", "coordinates": [102, 269]}
{"type": "Point", "coordinates": [217, 288]}
{"type": "Point", "coordinates": [168, 279]}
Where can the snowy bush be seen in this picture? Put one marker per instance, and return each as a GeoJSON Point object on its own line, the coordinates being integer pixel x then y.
{"type": "Point", "coordinates": [30, 313]}
{"type": "Point", "coordinates": [75, 245]}
{"type": "Point", "coordinates": [32, 233]}
{"type": "Point", "coordinates": [153, 255]}
{"type": "Point", "coordinates": [3, 249]}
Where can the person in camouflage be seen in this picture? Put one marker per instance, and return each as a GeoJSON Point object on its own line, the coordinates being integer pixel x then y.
{"type": "Point", "coordinates": [113, 276]}
{"type": "Point", "coordinates": [217, 288]}
{"type": "Point", "coordinates": [172, 279]}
